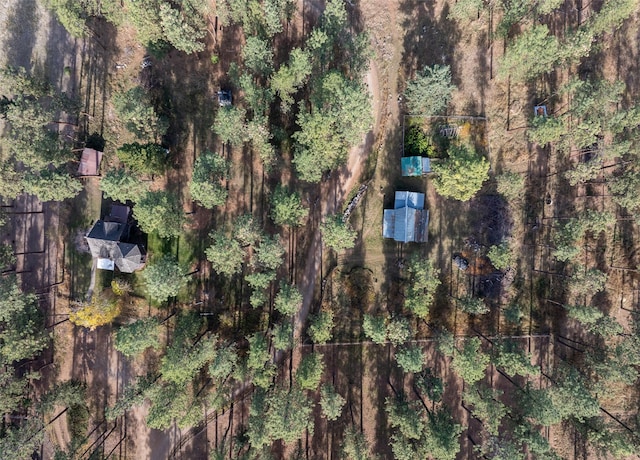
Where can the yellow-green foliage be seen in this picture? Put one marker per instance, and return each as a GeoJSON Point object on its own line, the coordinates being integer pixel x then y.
{"type": "Point", "coordinates": [102, 309]}
{"type": "Point", "coordinates": [462, 174]}
{"type": "Point", "coordinates": [120, 287]}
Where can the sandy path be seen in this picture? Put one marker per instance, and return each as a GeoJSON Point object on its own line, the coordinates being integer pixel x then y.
{"type": "Point", "coordinates": [333, 194]}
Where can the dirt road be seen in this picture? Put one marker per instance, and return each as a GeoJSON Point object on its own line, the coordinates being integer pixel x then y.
{"type": "Point", "coordinates": [333, 193]}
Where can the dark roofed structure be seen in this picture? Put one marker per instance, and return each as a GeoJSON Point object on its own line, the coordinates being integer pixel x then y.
{"type": "Point", "coordinates": [129, 257]}
{"type": "Point", "coordinates": [408, 221]}
{"type": "Point", "coordinates": [119, 213]}
{"type": "Point", "coordinates": [107, 241]}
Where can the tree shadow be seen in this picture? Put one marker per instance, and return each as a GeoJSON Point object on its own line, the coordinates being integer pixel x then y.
{"type": "Point", "coordinates": [21, 24]}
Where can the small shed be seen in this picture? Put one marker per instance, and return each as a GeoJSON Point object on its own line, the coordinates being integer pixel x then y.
{"type": "Point", "coordinates": [415, 166]}
{"type": "Point", "coordinates": [408, 221]}
{"type": "Point", "coordinates": [90, 162]}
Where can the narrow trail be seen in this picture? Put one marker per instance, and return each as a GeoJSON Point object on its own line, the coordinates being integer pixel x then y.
{"type": "Point", "coordinates": [333, 193]}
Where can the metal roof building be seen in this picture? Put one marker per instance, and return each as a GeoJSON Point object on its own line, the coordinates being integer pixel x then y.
{"type": "Point", "coordinates": [408, 221]}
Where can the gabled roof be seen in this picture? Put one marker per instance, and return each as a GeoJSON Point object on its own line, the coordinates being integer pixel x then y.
{"type": "Point", "coordinates": [90, 162]}
{"type": "Point", "coordinates": [110, 231]}
{"type": "Point", "coordinates": [129, 257]}
{"type": "Point", "coordinates": [104, 237]}
{"type": "Point", "coordinates": [119, 213]}
{"type": "Point", "coordinates": [409, 220]}
{"type": "Point", "coordinates": [413, 200]}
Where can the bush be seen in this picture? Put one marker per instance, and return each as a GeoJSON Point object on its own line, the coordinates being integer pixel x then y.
{"type": "Point", "coordinates": [143, 158]}
{"type": "Point", "coordinates": [102, 309]}
{"type": "Point", "coordinates": [418, 143]}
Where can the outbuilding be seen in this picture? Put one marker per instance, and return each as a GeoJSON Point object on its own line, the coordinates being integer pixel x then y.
{"type": "Point", "coordinates": [408, 221]}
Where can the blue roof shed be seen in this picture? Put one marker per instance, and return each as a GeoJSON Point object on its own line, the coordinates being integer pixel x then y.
{"type": "Point", "coordinates": [415, 166]}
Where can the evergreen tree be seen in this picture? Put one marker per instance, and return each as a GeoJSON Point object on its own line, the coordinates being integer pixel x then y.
{"type": "Point", "coordinates": [331, 402]}
{"type": "Point", "coordinates": [164, 278]}
{"type": "Point", "coordinates": [205, 188]}
{"type": "Point", "coordinates": [321, 326]}
{"type": "Point", "coordinates": [230, 125]}
{"type": "Point", "coordinates": [287, 208]}
{"type": "Point", "coordinates": [337, 234]}
{"type": "Point", "coordinates": [225, 254]}
{"type": "Point", "coordinates": [257, 56]}
{"type": "Point", "coordinates": [411, 359]}
{"type": "Point", "coordinates": [460, 176]}
{"type": "Point", "coordinates": [135, 338]}
{"type": "Point", "coordinates": [122, 185]}
{"type": "Point", "coordinates": [288, 414]}
{"type": "Point", "coordinates": [398, 330]}
{"type": "Point", "coordinates": [471, 362]}
{"type": "Point", "coordinates": [309, 371]}
{"type": "Point", "coordinates": [472, 305]}
{"type": "Point", "coordinates": [375, 327]}
{"type": "Point", "coordinates": [288, 299]}
{"type": "Point", "coordinates": [430, 92]}
{"type": "Point", "coordinates": [143, 158]}
{"type": "Point", "coordinates": [134, 108]}
{"type": "Point", "coordinates": [282, 336]}
{"type": "Point", "coordinates": [423, 283]}
{"type": "Point", "coordinates": [160, 212]}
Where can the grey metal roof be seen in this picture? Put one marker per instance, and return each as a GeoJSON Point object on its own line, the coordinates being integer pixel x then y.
{"type": "Point", "coordinates": [411, 199]}
{"type": "Point", "coordinates": [409, 220]}
{"type": "Point", "coordinates": [105, 264]}
{"type": "Point", "coordinates": [389, 223]}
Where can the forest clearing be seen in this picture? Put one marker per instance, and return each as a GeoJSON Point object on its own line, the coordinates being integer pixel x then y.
{"type": "Point", "coordinates": [320, 229]}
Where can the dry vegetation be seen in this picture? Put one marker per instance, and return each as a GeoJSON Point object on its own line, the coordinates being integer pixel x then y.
{"type": "Point", "coordinates": [173, 400]}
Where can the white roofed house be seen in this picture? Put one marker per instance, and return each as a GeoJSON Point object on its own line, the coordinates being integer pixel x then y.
{"type": "Point", "coordinates": [407, 222]}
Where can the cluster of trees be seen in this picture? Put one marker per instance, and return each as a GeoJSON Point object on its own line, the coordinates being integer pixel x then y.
{"type": "Point", "coordinates": [247, 245]}
{"type": "Point", "coordinates": [536, 50]}
{"type": "Point", "coordinates": [594, 125]}
{"type": "Point", "coordinates": [329, 66]}
{"type": "Point", "coordinates": [183, 25]}
{"type": "Point", "coordinates": [36, 153]}
{"type": "Point", "coordinates": [205, 187]}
